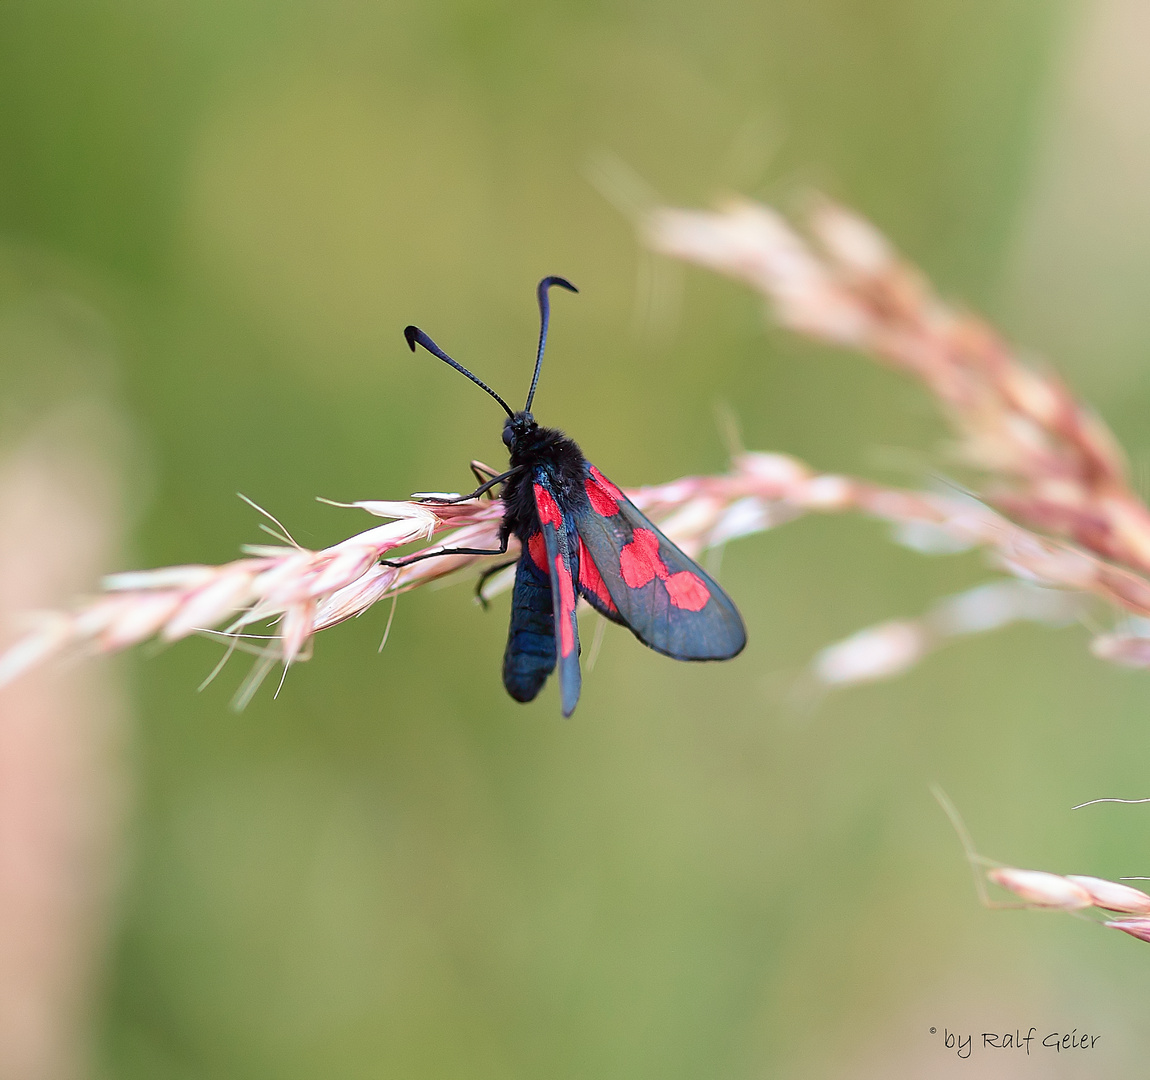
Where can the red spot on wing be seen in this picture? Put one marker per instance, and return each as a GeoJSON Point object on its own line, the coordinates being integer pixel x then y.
{"type": "Point", "coordinates": [548, 509]}
{"type": "Point", "coordinates": [603, 502]}
{"type": "Point", "coordinates": [537, 549]}
{"type": "Point", "coordinates": [639, 563]}
{"type": "Point", "coordinates": [590, 578]}
{"type": "Point", "coordinates": [639, 560]}
{"type": "Point", "coordinates": [566, 607]}
{"type": "Point", "coordinates": [606, 484]}
{"type": "Point", "coordinates": [687, 591]}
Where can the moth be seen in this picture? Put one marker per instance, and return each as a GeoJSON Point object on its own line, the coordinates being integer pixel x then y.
{"type": "Point", "coordinates": [580, 536]}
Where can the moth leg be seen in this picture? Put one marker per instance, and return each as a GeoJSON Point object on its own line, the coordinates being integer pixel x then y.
{"type": "Point", "coordinates": [501, 550]}
{"type": "Point", "coordinates": [482, 472]}
{"type": "Point", "coordinates": [487, 485]}
{"type": "Point", "coordinates": [491, 571]}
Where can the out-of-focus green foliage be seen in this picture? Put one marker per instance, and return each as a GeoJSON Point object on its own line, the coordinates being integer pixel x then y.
{"type": "Point", "coordinates": [393, 870]}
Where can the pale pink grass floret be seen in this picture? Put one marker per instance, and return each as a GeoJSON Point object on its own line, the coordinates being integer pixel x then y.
{"type": "Point", "coordinates": [1040, 889]}
{"type": "Point", "coordinates": [1113, 896]}
{"type": "Point", "coordinates": [1076, 892]}
{"type": "Point", "coordinates": [1139, 928]}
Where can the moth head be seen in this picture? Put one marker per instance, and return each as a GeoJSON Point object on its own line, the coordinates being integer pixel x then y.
{"type": "Point", "coordinates": [516, 426]}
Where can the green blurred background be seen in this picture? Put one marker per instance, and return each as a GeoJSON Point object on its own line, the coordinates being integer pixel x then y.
{"type": "Point", "coordinates": [218, 217]}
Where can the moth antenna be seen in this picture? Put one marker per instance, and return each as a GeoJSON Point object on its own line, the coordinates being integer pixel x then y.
{"type": "Point", "coordinates": [544, 319]}
{"type": "Point", "coordinates": [415, 336]}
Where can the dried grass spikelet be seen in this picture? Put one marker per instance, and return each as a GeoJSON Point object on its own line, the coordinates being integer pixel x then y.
{"type": "Point", "coordinates": [1052, 461]}
{"type": "Point", "coordinates": [1074, 893]}
{"type": "Point", "coordinates": [300, 592]}
{"type": "Point", "coordinates": [1040, 889]}
{"type": "Point", "coordinates": [1139, 928]}
{"type": "Point", "coordinates": [1112, 895]}
{"type": "Point", "coordinates": [1047, 462]}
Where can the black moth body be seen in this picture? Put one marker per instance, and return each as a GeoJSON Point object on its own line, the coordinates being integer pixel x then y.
{"type": "Point", "coordinates": [531, 447]}
{"type": "Point", "coordinates": [580, 536]}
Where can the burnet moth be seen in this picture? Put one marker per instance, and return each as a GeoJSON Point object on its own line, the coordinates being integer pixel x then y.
{"type": "Point", "coordinates": [581, 536]}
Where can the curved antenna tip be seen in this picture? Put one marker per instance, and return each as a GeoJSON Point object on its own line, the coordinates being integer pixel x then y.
{"type": "Point", "coordinates": [411, 334]}
{"type": "Point", "coordinates": [555, 279]}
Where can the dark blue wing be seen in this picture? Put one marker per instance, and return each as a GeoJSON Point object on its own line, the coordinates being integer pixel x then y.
{"type": "Point", "coordinates": [668, 601]}
{"type": "Point", "coordinates": [530, 654]}
{"type": "Point", "coordinates": [562, 559]}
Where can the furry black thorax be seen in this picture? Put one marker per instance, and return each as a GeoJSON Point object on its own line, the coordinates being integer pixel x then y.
{"type": "Point", "coordinates": [531, 445]}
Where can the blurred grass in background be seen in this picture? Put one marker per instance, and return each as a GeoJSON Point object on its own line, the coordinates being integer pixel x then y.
{"type": "Point", "coordinates": [228, 212]}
